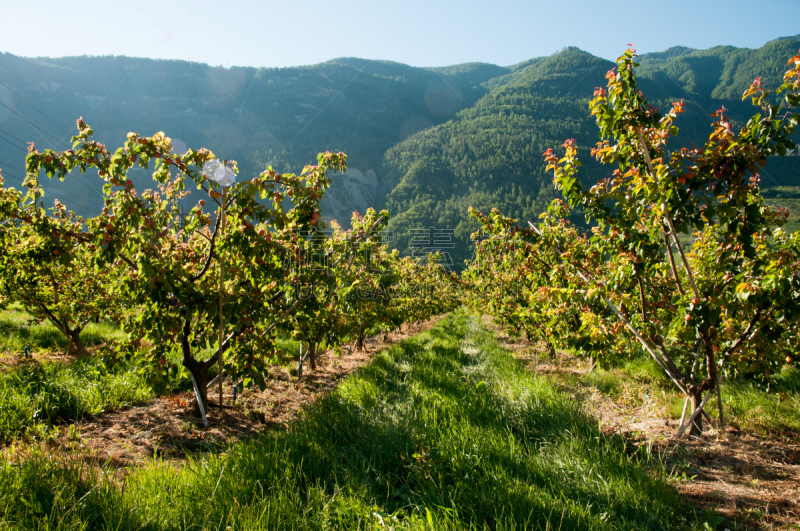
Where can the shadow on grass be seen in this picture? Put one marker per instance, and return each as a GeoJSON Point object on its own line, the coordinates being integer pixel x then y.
{"type": "Point", "coordinates": [442, 431]}
{"type": "Point", "coordinates": [18, 329]}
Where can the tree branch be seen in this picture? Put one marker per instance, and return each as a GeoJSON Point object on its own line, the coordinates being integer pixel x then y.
{"type": "Point", "coordinates": [127, 261]}
{"type": "Point", "coordinates": [203, 271]}
{"type": "Point", "coordinates": [672, 263]}
{"type": "Point", "coordinates": [641, 295]}
{"type": "Point", "coordinates": [236, 333]}
{"type": "Point", "coordinates": [588, 279]}
{"type": "Point", "coordinates": [52, 318]}
{"type": "Point", "coordinates": [698, 411]}
{"type": "Point", "coordinates": [366, 233]}
{"type": "Point", "coordinates": [744, 335]}
{"type": "Point", "coordinates": [667, 217]}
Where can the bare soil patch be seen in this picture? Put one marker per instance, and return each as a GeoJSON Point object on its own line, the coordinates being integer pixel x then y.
{"type": "Point", "coordinates": [752, 481]}
{"type": "Point", "coordinates": [12, 360]}
{"type": "Point", "coordinates": [167, 429]}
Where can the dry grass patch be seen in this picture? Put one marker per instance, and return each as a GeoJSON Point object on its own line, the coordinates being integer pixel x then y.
{"type": "Point", "coordinates": [748, 472]}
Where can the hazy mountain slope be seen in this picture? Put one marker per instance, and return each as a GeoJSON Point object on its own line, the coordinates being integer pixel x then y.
{"type": "Point", "coordinates": [490, 154]}
{"type": "Point", "coordinates": [282, 117]}
{"type": "Point", "coordinates": [722, 72]}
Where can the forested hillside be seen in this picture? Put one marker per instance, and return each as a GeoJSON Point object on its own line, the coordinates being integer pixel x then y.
{"type": "Point", "coordinates": [490, 154]}
{"type": "Point", "coordinates": [426, 143]}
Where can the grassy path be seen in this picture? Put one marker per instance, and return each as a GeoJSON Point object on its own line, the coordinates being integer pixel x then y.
{"type": "Point", "coordinates": [442, 431]}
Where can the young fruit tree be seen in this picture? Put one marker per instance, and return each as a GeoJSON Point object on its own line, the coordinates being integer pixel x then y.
{"type": "Point", "coordinates": [47, 265]}
{"type": "Point", "coordinates": [424, 287]}
{"type": "Point", "coordinates": [525, 285]}
{"type": "Point", "coordinates": [171, 269]}
{"type": "Point", "coordinates": [684, 251]}
{"type": "Point", "coordinates": [364, 282]}
{"type": "Point", "coordinates": [328, 262]}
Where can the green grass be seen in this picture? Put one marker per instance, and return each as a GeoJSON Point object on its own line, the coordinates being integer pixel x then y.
{"type": "Point", "coordinates": [36, 395]}
{"type": "Point", "coordinates": [756, 409]}
{"type": "Point", "coordinates": [442, 431]}
{"type": "Point", "coordinates": [606, 382]}
{"type": "Point", "coordinates": [17, 330]}
{"type": "Point", "coordinates": [787, 197]}
{"type": "Point", "coordinates": [32, 398]}
{"type": "Point", "coordinates": [781, 192]}
{"type": "Point", "coordinates": [771, 407]}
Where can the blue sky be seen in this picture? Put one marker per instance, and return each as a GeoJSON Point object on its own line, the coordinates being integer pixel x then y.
{"type": "Point", "coordinates": [416, 32]}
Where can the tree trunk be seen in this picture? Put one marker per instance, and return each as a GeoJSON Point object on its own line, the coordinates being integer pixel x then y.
{"type": "Point", "coordinates": [76, 346]}
{"type": "Point", "coordinates": [198, 369]}
{"type": "Point", "coordinates": [312, 355]}
{"type": "Point", "coordinates": [360, 342]}
{"type": "Point", "coordinates": [696, 397]}
{"type": "Point", "coordinates": [201, 377]}
{"type": "Point", "coordinates": [696, 392]}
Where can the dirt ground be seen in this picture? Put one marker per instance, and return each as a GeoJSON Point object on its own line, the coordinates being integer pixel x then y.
{"type": "Point", "coordinates": [10, 361]}
{"type": "Point", "coordinates": [165, 427]}
{"type": "Point", "coordinates": [750, 480]}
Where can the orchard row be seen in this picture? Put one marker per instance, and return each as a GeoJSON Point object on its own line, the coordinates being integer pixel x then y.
{"type": "Point", "coordinates": [237, 280]}
{"type": "Point", "coordinates": [680, 259]}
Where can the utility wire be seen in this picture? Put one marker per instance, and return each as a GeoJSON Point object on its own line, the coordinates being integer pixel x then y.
{"type": "Point", "coordinates": [10, 174]}
{"type": "Point", "coordinates": [12, 143]}
{"type": "Point", "coordinates": [4, 165]}
{"type": "Point", "coordinates": [57, 192]}
{"type": "Point", "coordinates": [15, 138]}
{"type": "Point", "coordinates": [79, 176]}
{"type": "Point", "coordinates": [35, 108]}
{"type": "Point", "coordinates": [33, 124]}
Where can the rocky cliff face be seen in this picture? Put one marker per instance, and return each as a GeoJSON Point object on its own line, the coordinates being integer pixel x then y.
{"type": "Point", "coordinates": [355, 190]}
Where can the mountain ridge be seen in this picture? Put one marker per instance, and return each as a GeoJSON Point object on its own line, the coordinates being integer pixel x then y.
{"type": "Point", "coordinates": [427, 142]}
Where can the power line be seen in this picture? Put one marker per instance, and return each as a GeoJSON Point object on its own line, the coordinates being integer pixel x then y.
{"type": "Point", "coordinates": [79, 176]}
{"type": "Point", "coordinates": [33, 124]}
{"type": "Point", "coordinates": [13, 144]}
{"type": "Point", "coordinates": [206, 71]}
{"type": "Point", "coordinates": [13, 176]}
{"type": "Point", "coordinates": [54, 191]}
{"type": "Point", "coordinates": [34, 107]}
{"type": "Point", "coordinates": [5, 169]}
{"type": "Point", "coordinates": [60, 192]}
{"type": "Point", "coordinates": [14, 137]}
{"type": "Point", "coordinates": [4, 165]}
{"type": "Point", "coordinates": [144, 58]}
{"type": "Point", "coordinates": [89, 185]}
